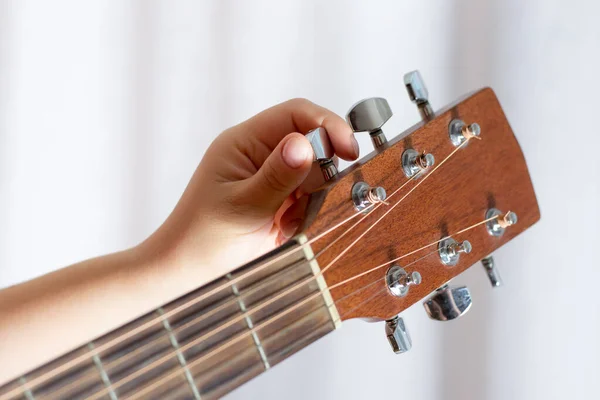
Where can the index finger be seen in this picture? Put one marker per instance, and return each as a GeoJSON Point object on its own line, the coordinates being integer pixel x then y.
{"type": "Point", "coordinates": [301, 115]}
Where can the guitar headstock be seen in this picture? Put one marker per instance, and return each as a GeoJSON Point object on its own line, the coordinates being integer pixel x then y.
{"type": "Point", "coordinates": [469, 172]}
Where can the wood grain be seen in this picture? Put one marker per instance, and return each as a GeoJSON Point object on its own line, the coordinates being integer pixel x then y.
{"type": "Point", "coordinates": [487, 173]}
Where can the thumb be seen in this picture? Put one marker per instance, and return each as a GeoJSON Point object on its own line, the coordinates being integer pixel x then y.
{"type": "Point", "coordinates": [281, 173]}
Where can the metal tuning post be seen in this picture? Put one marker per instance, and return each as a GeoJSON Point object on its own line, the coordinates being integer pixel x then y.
{"type": "Point", "coordinates": [498, 225]}
{"type": "Point", "coordinates": [414, 162]}
{"type": "Point", "coordinates": [398, 335]}
{"type": "Point", "coordinates": [492, 272]}
{"type": "Point", "coordinates": [459, 132]}
{"type": "Point", "coordinates": [418, 94]}
{"type": "Point", "coordinates": [323, 150]}
{"type": "Point", "coordinates": [365, 196]}
{"type": "Point", "coordinates": [369, 115]}
{"type": "Point", "coordinates": [399, 281]}
{"type": "Point", "coordinates": [448, 303]}
{"type": "Point", "coordinates": [449, 250]}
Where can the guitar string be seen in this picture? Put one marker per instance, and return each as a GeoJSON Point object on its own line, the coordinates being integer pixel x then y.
{"type": "Point", "coordinates": [223, 346]}
{"type": "Point", "coordinates": [176, 371]}
{"type": "Point", "coordinates": [419, 249]}
{"type": "Point", "coordinates": [35, 382]}
{"type": "Point", "coordinates": [328, 246]}
{"type": "Point", "coordinates": [113, 342]}
{"type": "Point", "coordinates": [377, 280]}
{"type": "Point", "coordinates": [390, 209]}
{"type": "Point", "coordinates": [249, 312]}
{"type": "Point", "coordinates": [221, 307]}
{"type": "Point", "coordinates": [339, 318]}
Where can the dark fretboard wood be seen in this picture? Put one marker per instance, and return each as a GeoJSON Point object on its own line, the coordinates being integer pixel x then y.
{"type": "Point", "coordinates": [202, 345]}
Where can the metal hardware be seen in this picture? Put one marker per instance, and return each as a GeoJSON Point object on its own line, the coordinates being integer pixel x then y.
{"type": "Point", "coordinates": [398, 335]}
{"type": "Point", "coordinates": [364, 195]}
{"type": "Point", "coordinates": [448, 303]}
{"type": "Point", "coordinates": [496, 226]}
{"type": "Point", "coordinates": [399, 281]}
{"type": "Point", "coordinates": [414, 162]}
{"type": "Point", "coordinates": [328, 169]}
{"type": "Point", "coordinates": [459, 131]}
{"type": "Point", "coordinates": [492, 272]}
{"type": "Point", "coordinates": [450, 250]}
{"type": "Point", "coordinates": [321, 144]}
{"type": "Point", "coordinates": [369, 115]}
{"type": "Point", "coordinates": [418, 94]}
{"type": "Point", "coordinates": [323, 150]}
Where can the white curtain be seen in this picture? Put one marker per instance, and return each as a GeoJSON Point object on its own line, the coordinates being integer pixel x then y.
{"type": "Point", "coordinates": [106, 107]}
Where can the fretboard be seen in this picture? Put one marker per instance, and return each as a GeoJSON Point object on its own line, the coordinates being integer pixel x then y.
{"type": "Point", "coordinates": [202, 345]}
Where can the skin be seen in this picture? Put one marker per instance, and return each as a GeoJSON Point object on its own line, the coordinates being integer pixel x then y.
{"type": "Point", "coordinates": [243, 200]}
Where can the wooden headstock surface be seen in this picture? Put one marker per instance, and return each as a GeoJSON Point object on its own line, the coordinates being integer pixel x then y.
{"type": "Point", "coordinates": [483, 174]}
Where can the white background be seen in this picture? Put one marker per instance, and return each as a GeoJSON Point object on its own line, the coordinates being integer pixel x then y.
{"type": "Point", "coordinates": [106, 107]}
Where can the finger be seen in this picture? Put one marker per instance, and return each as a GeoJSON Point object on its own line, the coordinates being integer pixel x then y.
{"type": "Point", "coordinates": [279, 176]}
{"type": "Point", "coordinates": [293, 217]}
{"type": "Point", "coordinates": [301, 115]}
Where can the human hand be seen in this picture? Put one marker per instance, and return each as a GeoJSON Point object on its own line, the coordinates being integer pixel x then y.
{"type": "Point", "coordinates": [242, 199]}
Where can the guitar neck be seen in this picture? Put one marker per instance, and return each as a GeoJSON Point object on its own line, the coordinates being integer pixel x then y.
{"type": "Point", "coordinates": [203, 344]}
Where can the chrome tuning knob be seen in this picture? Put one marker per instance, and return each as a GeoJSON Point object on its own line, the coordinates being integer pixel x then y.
{"type": "Point", "coordinates": [323, 150]}
{"type": "Point", "coordinates": [369, 115]}
{"type": "Point", "coordinates": [418, 94]}
{"type": "Point", "coordinates": [448, 303]}
{"type": "Point", "coordinates": [398, 335]}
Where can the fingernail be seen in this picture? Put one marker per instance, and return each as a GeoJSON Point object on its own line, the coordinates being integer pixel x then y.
{"type": "Point", "coordinates": [356, 146]}
{"type": "Point", "coordinates": [290, 228]}
{"type": "Point", "coordinates": [296, 152]}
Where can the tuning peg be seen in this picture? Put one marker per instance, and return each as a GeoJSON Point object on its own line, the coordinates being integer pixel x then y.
{"type": "Point", "coordinates": [450, 250]}
{"type": "Point", "coordinates": [448, 303]}
{"type": "Point", "coordinates": [398, 335]}
{"type": "Point", "coordinates": [414, 162]}
{"type": "Point", "coordinates": [369, 115]}
{"type": "Point", "coordinates": [492, 272]}
{"type": "Point", "coordinates": [418, 94]}
{"type": "Point", "coordinates": [365, 196]}
{"type": "Point", "coordinates": [497, 226]}
{"type": "Point", "coordinates": [323, 150]}
{"type": "Point", "coordinates": [399, 281]}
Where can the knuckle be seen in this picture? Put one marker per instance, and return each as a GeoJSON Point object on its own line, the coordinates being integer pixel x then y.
{"type": "Point", "coordinates": [273, 179]}
{"type": "Point", "coordinates": [300, 102]}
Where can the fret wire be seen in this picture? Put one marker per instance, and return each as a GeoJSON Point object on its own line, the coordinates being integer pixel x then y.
{"type": "Point", "coordinates": [337, 258]}
{"type": "Point", "coordinates": [239, 278]}
{"type": "Point", "coordinates": [259, 326]}
{"type": "Point", "coordinates": [253, 289]}
{"type": "Point", "coordinates": [202, 317]}
{"type": "Point", "coordinates": [102, 372]}
{"type": "Point", "coordinates": [261, 351]}
{"type": "Point", "coordinates": [41, 379]}
{"type": "Point", "coordinates": [220, 328]}
{"type": "Point", "coordinates": [180, 355]}
{"type": "Point", "coordinates": [26, 391]}
{"type": "Point", "coordinates": [170, 375]}
{"type": "Point", "coordinates": [280, 315]}
{"type": "Point", "coordinates": [220, 348]}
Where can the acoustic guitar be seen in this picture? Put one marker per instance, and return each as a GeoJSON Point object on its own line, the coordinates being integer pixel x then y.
{"type": "Point", "coordinates": [385, 233]}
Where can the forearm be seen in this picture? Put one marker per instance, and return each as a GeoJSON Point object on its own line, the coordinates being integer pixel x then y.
{"type": "Point", "coordinates": [48, 316]}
